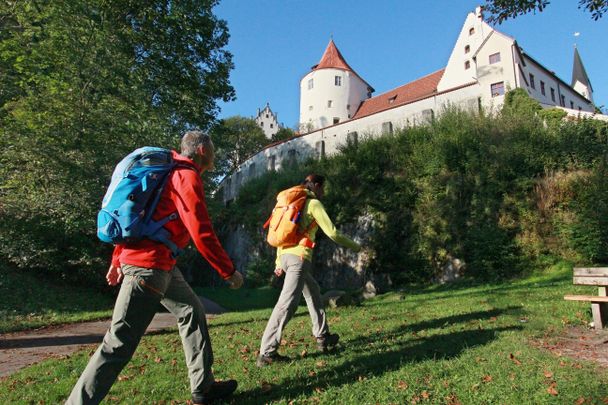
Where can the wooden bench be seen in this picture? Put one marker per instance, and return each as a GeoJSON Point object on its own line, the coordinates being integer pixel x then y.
{"type": "Point", "coordinates": [597, 276]}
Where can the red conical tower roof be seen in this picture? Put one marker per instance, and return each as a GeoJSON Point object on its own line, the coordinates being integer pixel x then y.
{"type": "Point", "coordinates": [333, 59]}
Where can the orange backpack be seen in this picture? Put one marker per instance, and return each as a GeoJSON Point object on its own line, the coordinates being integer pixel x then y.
{"type": "Point", "coordinates": [283, 224]}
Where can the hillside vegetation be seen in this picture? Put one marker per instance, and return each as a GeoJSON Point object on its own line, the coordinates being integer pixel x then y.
{"type": "Point", "coordinates": [503, 194]}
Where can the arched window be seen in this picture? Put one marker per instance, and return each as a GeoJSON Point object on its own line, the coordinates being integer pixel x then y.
{"type": "Point", "coordinates": [467, 65]}
{"type": "Point", "coordinates": [467, 49]}
{"type": "Point", "coordinates": [471, 31]}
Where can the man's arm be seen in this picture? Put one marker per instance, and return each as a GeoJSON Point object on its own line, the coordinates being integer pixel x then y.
{"type": "Point", "coordinates": [318, 212]}
{"type": "Point", "coordinates": [192, 210]}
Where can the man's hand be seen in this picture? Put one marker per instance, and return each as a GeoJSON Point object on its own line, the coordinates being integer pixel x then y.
{"type": "Point", "coordinates": [236, 280]}
{"type": "Point", "coordinates": [114, 275]}
{"type": "Point", "coordinates": [279, 272]}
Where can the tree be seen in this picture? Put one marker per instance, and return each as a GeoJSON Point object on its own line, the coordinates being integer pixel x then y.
{"type": "Point", "coordinates": [501, 10]}
{"type": "Point", "coordinates": [236, 139]}
{"type": "Point", "coordinates": [83, 82]}
{"type": "Point", "coordinates": [283, 134]}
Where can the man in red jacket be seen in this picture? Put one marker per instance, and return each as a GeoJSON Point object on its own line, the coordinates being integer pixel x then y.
{"type": "Point", "coordinates": [149, 277]}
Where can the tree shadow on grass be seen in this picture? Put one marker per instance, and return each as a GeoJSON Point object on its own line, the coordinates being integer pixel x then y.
{"type": "Point", "coordinates": [372, 362]}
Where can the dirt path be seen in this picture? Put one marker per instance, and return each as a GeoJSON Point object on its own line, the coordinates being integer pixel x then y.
{"type": "Point", "coordinates": [21, 349]}
{"type": "Point", "coordinates": [580, 343]}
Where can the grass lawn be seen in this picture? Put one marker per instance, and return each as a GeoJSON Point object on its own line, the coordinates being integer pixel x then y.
{"type": "Point", "coordinates": [29, 303]}
{"type": "Point", "coordinates": [455, 345]}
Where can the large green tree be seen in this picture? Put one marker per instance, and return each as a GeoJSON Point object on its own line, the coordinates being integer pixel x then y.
{"type": "Point", "coordinates": [501, 10]}
{"type": "Point", "coordinates": [82, 82]}
{"type": "Point", "coordinates": [236, 139]}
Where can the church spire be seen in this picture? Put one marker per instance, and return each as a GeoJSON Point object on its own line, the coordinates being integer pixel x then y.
{"type": "Point", "coordinates": [578, 71]}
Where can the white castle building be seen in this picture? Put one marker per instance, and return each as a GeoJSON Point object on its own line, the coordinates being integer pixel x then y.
{"type": "Point", "coordinates": [336, 103]}
{"type": "Point", "coordinates": [267, 120]}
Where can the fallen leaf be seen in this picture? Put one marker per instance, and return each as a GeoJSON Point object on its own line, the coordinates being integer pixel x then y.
{"type": "Point", "coordinates": [245, 349]}
{"type": "Point", "coordinates": [514, 359]}
{"type": "Point", "coordinates": [552, 391]}
{"type": "Point", "coordinates": [312, 374]}
{"type": "Point", "coordinates": [548, 374]}
{"type": "Point", "coordinates": [452, 399]}
{"type": "Point", "coordinates": [580, 401]}
{"type": "Point", "coordinates": [304, 353]}
{"type": "Point", "coordinates": [321, 363]}
{"type": "Point", "coordinates": [487, 378]}
{"type": "Point", "coordinates": [402, 385]}
{"type": "Point", "coordinates": [123, 378]}
{"type": "Point", "coordinates": [425, 395]}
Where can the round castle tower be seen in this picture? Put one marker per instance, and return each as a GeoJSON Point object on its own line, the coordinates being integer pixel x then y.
{"type": "Point", "coordinates": [331, 92]}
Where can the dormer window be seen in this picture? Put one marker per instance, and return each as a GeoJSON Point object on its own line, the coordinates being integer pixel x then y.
{"type": "Point", "coordinates": [392, 99]}
{"type": "Point", "coordinates": [467, 49]}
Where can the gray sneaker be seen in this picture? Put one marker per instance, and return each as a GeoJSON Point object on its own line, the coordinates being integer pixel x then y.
{"type": "Point", "coordinates": [266, 360]}
{"type": "Point", "coordinates": [328, 341]}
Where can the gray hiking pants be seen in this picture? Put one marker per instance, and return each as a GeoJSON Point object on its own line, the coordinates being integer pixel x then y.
{"type": "Point", "coordinates": [141, 291]}
{"type": "Point", "coordinates": [298, 282]}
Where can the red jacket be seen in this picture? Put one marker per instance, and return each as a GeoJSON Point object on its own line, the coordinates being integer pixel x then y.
{"type": "Point", "coordinates": [183, 194]}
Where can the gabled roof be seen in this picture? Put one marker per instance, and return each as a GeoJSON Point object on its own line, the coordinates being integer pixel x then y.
{"type": "Point", "coordinates": [578, 71]}
{"type": "Point", "coordinates": [418, 89]}
{"type": "Point", "coordinates": [333, 59]}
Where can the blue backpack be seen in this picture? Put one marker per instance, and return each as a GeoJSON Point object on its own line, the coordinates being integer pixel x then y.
{"type": "Point", "coordinates": [127, 208]}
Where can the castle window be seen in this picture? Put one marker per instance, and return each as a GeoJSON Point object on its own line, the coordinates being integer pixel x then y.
{"type": "Point", "coordinates": [352, 138]}
{"type": "Point", "coordinates": [266, 115]}
{"type": "Point", "coordinates": [467, 49]}
{"type": "Point", "coordinates": [291, 156]}
{"type": "Point", "coordinates": [309, 108]}
{"type": "Point", "coordinates": [252, 170]}
{"type": "Point", "coordinates": [572, 104]}
{"type": "Point", "coordinates": [271, 162]}
{"type": "Point", "coordinates": [467, 65]}
{"type": "Point", "coordinates": [387, 127]}
{"type": "Point", "coordinates": [532, 84]}
{"type": "Point", "coordinates": [336, 120]}
{"type": "Point", "coordinates": [471, 31]}
{"type": "Point", "coordinates": [328, 103]}
{"type": "Point", "coordinates": [495, 58]}
{"type": "Point", "coordinates": [338, 80]}
{"type": "Point", "coordinates": [271, 125]}
{"type": "Point", "coordinates": [262, 124]}
{"type": "Point", "coordinates": [348, 107]}
{"type": "Point", "coordinates": [563, 100]}
{"type": "Point", "coordinates": [552, 94]}
{"type": "Point", "coordinates": [542, 87]}
{"type": "Point", "coordinates": [310, 84]}
{"type": "Point", "coordinates": [497, 89]}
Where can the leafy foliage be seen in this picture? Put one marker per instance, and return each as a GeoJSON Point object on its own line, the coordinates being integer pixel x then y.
{"type": "Point", "coordinates": [502, 10]}
{"type": "Point", "coordinates": [83, 83]}
{"type": "Point", "coordinates": [236, 139]}
{"type": "Point", "coordinates": [466, 187]}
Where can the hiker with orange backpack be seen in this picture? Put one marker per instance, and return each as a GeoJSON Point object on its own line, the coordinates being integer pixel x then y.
{"type": "Point", "coordinates": [292, 227]}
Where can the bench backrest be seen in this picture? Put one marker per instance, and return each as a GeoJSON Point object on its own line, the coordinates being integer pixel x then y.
{"type": "Point", "coordinates": [591, 276]}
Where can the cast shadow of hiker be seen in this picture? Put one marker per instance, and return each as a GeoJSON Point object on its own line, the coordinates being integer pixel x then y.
{"type": "Point", "coordinates": [406, 347]}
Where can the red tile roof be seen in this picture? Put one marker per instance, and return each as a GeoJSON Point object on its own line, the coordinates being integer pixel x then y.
{"type": "Point", "coordinates": [413, 91]}
{"type": "Point", "coordinates": [333, 59]}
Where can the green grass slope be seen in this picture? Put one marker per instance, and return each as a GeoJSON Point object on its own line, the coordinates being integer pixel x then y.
{"type": "Point", "coordinates": [467, 344]}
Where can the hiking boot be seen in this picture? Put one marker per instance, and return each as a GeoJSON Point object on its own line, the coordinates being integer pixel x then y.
{"type": "Point", "coordinates": [219, 390]}
{"type": "Point", "coordinates": [328, 341]}
{"type": "Point", "coordinates": [265, 360]}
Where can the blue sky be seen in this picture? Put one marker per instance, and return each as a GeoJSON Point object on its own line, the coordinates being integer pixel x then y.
{"type": "Point", "coordinates": [387, 42]}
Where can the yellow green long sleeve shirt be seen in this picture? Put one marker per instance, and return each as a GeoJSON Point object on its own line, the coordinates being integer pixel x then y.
{"type": "Point", "coordinates": [314, 210]}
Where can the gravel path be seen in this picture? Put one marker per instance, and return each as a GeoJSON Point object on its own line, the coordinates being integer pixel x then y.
{"type": "Point", "coordinates": [22, 349]}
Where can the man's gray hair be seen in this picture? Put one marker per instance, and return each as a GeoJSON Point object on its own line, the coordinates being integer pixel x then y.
{"type": "Point", "coordinates": [192, 140]}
